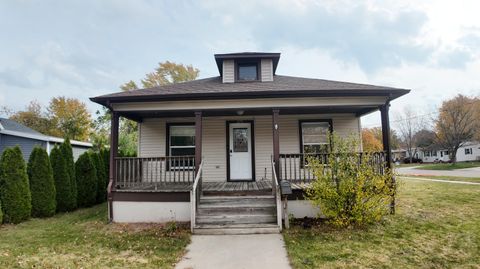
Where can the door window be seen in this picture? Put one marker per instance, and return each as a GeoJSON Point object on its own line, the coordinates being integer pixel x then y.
{"type": "Point", "coordinates": [240, 140]}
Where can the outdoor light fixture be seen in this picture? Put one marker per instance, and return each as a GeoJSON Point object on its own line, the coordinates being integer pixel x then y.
{"type": "Point", "coordinates": [240, 112]}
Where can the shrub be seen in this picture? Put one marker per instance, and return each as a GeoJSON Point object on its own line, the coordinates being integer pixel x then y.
{"type": "Point", "coordinates": [14, 189]}
{"type": "Point", "coordinates": [101, 177]}
{"type": "Point", "coordinates": [63, 186]}
{"type": "Point", "coordinates": [86, 176]}
{"type": "Point", "coordinates": [1, 213]}
{"type": "Point", "coordinates": [67, 152]}
{"type": "Point", "coordinates": [105, 155]}
{"type": "Point", "coordinates": [348, 189]}
{"type": "Point", "coordinates": [42, 186]}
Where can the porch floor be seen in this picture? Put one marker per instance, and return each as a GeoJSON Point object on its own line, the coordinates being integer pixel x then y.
{"type": "Point", "coordinates": [261, 185]}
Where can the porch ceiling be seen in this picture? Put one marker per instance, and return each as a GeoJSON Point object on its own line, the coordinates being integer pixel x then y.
{"type": "Point", "coordinates": [359, 110]}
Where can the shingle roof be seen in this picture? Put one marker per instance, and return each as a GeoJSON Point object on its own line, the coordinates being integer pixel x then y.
{"type": "Point", "coordinates": [11, 125]}
{"type": "Point", "coordinates": [280, 86]}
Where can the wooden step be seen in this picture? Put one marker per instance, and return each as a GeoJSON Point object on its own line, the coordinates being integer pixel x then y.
{"type": "Point", "coordinates": [236, 210]}
{"type": "Point", "coordinates": [236, 193]}
{"type": "Point", "coordinates": [228, 201]}
{"type": "Point", "coordinates": [236, 219]}
{"type": "Point", "coordinates": [236, 229]}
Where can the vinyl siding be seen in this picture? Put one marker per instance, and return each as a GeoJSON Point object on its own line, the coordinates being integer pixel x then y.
{"type": "Point", "coordinates": [266, 70]}
{"type": "Point", "coordinates": [26, 144]}
{"type": "Point", "coordinates": [228, 71]}
{"type": "Point", "coordinates": [152, 139]}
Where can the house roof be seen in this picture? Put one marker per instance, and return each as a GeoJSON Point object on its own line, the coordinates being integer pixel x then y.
{"type": "Point", "coordinates": [281, 86]}
{"type": "Point", "coordinates": [13, 128]}
{"type": "Point", "coordinates": [11, 125]}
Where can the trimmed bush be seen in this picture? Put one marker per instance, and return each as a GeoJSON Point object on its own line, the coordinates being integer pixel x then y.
{"type": "Point", "coordinates": [63, 186]}
{"type": "Point", "coordinates": [86, 176]}
{"type": "Point", "coordinates": [105, 156]}
{"type": "Point", "coordinates": [101, 177]}
{"type": "Point", "coordinates": [14, 189]}
{"type": "Point", "coordinates": [42, 185]}
{"type": "Point", "coordinates": [1, 213]}
{"type": "Point", "coordinates": [67, 152]}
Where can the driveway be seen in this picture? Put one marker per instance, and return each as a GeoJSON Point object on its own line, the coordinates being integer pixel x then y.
{"type": "Point", "coordinates": [466, 172]}
{"type": "Point", "coordinates": [235, 251]}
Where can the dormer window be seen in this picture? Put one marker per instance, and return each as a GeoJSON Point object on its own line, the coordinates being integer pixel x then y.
{"type": "Point", "coordinates": [247, 72]}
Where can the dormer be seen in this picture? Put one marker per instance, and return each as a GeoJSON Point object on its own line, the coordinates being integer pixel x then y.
{"type": "Point", "coordinates": [247, 66]}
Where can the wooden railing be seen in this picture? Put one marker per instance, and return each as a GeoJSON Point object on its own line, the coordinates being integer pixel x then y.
{"type": "Point", "coordinates": [277, 193]}
{"type": "Point", "coordinates": [195, 194]}
{"type": "Point", "coordinates": [294, 166]}
{"type": "Point", "coordinates": [153, 173]}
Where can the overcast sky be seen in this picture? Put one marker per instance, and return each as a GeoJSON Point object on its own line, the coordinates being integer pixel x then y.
{"type": "Point", "coordinates": [87, 48]}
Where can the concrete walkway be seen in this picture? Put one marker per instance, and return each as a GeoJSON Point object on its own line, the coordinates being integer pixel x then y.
{"type": "Point", "coordinates": [261, 251]}
{"type": "Point", "coordinates": [440, 180]}
{"type": "Point", "coordinates": [466, 172]}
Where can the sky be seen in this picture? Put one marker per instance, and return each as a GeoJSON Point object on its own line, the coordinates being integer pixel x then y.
{"type": "Point", "coordinates": [86, 48]}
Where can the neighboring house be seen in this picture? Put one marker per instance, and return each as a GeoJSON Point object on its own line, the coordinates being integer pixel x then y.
{"type": "Point", "coordinates": [468, 152]}
{"type": "Point", "coordinates": [13, 133]}
{"type": "Point", "coordinates": [207, 147]}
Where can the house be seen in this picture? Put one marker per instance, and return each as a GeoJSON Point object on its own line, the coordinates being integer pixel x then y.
{"type": "Point", "coordinates": [468, 152]}
{"type": "Point", "coordinates": [213, 151]}
{"type": "Point", "coordinates": [13, 133]}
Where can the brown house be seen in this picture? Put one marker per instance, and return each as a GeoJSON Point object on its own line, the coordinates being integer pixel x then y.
{"type": "Point", "coordinates": [213, 151]}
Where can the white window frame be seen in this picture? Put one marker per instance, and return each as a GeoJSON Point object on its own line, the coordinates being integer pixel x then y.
{"type": "Point", "coordinates": [302, 123]}
{"type": "Point", "coordinates": [170, 147]}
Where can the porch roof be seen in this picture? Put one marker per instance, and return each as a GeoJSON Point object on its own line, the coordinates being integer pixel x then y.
{"type": "Point", "coordinates": [281, 86]}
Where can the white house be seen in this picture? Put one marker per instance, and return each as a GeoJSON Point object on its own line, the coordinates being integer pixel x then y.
{"type": "Point", "coordinates": [468, 152]}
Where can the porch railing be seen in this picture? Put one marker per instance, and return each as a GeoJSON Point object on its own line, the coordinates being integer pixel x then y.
{"type": "Point", "coordinates": [294, 166]}
{"type": "Point", "coordinates": [195, 194]}
{"type": "Point", "coordinates": [277, 194]}
{"type": "Point", "coordinates": [153, 173]}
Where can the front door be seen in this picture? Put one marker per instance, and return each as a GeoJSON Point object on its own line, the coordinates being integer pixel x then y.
{"type": "Point", "coordinates": [240, 151]}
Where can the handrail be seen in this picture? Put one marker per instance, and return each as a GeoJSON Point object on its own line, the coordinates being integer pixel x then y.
{"type": "Point", "coordinates": [277, 194]}
{"type": "Point", "coordinates": [195, 196]}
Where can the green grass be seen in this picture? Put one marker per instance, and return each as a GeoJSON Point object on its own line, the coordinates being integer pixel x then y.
{"type": "Point", "coordinates": [449, 166]}
{"type": "Point", "coordinates": [466, 179]}
{"type": "Point", "coordinates": [407, 165]}
{"type": "Point", "coordinates": [83, 239]}
{"type": "Point", "coordinates": [436, 226]}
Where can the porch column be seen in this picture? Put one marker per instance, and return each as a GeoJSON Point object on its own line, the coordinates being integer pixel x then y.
{"type": "Point", "coordinates": [276, 140]}
{"type": "Point", "coordinates": [114, 123]}
{"type": "Point", "coordinates": [198, 140]}
{"type": "Point", "coordinates": [386, 145]}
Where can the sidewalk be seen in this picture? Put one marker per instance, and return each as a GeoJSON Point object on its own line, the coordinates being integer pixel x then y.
{"type": "Point", "coordinates": [260, 251]}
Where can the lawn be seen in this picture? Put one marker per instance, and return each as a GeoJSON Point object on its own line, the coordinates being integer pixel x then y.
{"type": "Point", "coordinates": [450, 178]}
{"type": "Point", "coordinates": [436, 226]}
{"type": "Point", "coordinates": [83, 239]}
{"type": "Point", "coordinates": [449, 166]}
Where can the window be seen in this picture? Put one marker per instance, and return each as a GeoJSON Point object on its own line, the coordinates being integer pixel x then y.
{"type": "Point", "coordinates": [314, 136]}
{"type": "Point", "coordinates": [468, 151]}
{"type": "Point", "coordinates": [434, 153]}
{"type": "Point", "coordinates": [181, 142]}
{"type": "Point", "coordinates": [247, 72]}
{"type": "Point", "coordinates": [427, 153]}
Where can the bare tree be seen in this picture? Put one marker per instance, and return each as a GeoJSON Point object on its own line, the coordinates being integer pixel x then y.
{"type": "Point", "coordinates": [409, 123]}
{"type": "Point", "coordinates": [456, 123]}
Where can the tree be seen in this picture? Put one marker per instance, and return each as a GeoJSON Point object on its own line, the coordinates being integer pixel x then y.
{"type": "Point", "coordinates": [67, 153]}
{"type": "Point", "coordinates": [101, 177]}
{"type": "Point", "coordinates": [34, 118]}
{"type": "Point", "coordinates": [14, 189]}
{"type": "Point", "coordinates": [166, 73]}
{"type": "Point", "coordinates": [1, 213]}
{"type": "Point", "coordinates": [408, 125]}
{"type": "Point", "coordinates": [86, 176]}
{"type": "Point", "coordinates": [370, 142]}
{"type": "Point", "coordinates": [456, 124]}
{"type": "Point", "coordinates": [425, 139]}
{"type": "Point", "coordinates": [42, 186]}
{"type": "Point", "coordinates": [394, 139]}
{"type": "Point", "coordinates": [70, 118]}
{"type": "Point", "coordinates": [66, 201]}
{"type": "Point", "coordinates": [169, 73]}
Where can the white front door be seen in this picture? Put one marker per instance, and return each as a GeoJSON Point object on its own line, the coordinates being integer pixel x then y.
{"type": "Point", "coordinates": [240, 151]}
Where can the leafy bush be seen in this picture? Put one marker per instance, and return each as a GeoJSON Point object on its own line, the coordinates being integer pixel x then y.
{"type": "Point", "coordinates": [105, 155]}
{"type": "Point", "coordinates": [14, 189]}
{"type": "Point", "coordinates": [86, 176]}
{"type": "Point", "coordinates": [101, 177]}
{"type": "Point", "coordinates": [63, 185]}
{"type": "Point", "coordinates": [42, 186]}
{"type": "Point", "coordinates": [67, 152]}
{"type": "Point", "coordinates": [1, 213]}
{"type": "Point", "coordinates": [348, 189]}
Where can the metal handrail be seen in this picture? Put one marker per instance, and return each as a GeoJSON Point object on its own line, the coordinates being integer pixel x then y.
{"type": "Point", "coordinates": [195, 196]}
{"type": "Point", "coordinates": [277, 194]}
